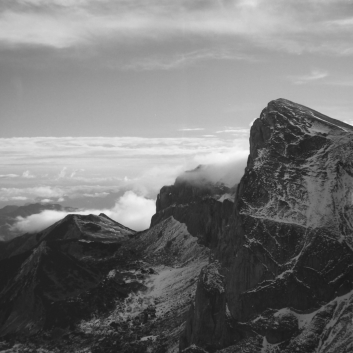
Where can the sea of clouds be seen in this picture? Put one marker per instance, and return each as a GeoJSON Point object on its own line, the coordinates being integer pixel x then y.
{"type": "Point", "coordinates": [120, 177]}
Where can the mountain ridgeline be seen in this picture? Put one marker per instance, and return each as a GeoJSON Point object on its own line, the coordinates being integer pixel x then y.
{"type": "Point", "coordinates": [262, 266]}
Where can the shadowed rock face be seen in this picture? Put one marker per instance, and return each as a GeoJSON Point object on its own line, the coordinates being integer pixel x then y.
{"type": "Point", "coordinates": [40, 273]}
{"type": "Point", "coordinates": [205, 207]}
{"type": "Point", "coordinates": [288, 247]}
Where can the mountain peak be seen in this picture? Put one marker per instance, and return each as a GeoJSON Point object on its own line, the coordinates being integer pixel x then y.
{"type": "Point", "coordinates": [292, 131]}
{"type": "Point", "coordinates": [301, 113]}
{"type": "Point", "coordinates": [289, 244]}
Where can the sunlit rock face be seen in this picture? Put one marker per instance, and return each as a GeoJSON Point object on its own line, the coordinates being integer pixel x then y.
{"type": "Point", "coordinates": [285, 260]}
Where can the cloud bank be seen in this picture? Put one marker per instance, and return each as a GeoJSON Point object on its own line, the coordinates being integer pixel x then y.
{"type": "Point", "coordinates": [131, 210]}
{"type": "Point", "coordinates": [93, 168]}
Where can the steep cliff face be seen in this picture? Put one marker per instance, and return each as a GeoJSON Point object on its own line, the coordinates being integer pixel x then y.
{"type": "Point", "coordinates": [204, 205]}
{"type": "Point", "coordinates": [286, 259]}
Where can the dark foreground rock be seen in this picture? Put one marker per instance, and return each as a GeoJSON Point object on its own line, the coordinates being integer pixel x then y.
{"type": "Point", "coordinates": [286, 260]}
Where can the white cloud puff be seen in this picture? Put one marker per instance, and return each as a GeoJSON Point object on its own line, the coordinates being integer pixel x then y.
{"type": "Point", "coordinates": [37, 222]}
{"type": "Point", "coordinates": [27, 174]}
{"type": "Point", "coordinates": [133, 211]}
{"type": "Point", "coordinates": [223, 167]}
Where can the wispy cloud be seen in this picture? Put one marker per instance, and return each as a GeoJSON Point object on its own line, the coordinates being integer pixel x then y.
{"type": "Point", "coordinates": [313, 76]}
{"type": "Point", "coordinates": [9, 175]}
{"type": "Point", "coordinates": [39, 191]}
{"type": "Point", "coordinates": [280, 25]}
{"type": "Point", "coordinates": [96, 194]}
{"type": "Point", "coordinates": [19, 198]}
{"type": "Point", "coordinates": [237, 131]}
{"type": "Point", "coordinates": [62, 172]}
{"type": "Point", "coordinates": [27, 174]}
{"type": "Point", "coordinates": [182, 60]}
{"type": "Point", "coordinates": [192, 129]}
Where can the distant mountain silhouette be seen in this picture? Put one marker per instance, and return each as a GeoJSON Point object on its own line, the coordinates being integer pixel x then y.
{"type": "Point", "coordinates": [9, 214]}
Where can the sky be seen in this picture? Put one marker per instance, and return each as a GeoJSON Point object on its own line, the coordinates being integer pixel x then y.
{"type": "Point", "coordinates": [99, 98]}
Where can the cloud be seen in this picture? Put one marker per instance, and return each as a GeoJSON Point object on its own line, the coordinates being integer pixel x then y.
{"type": "Point", "coordinates": [9, 175]}
{"type": "Point", "coordinates": [131, 210]}
{"type": "Point", "coordinates": [37, 222]}
{"type": "Point", "coordinates": [112, 165]}
{"type": "Point", "coordinates": [27, 174]}
{"type": "Point", "coordinates": [75, 172]}
{"type": "Point", "coordinates": [237, 131]}
{"type": "Point", "coordinates": [30, 192]}
{"type": "Point", "coordinates": [223, 167]}
{"type": "Point", "coordinates": [46, 200]}
{"type": "Point", "coordinates": [62, 173]}
{"type": "Point", "coordinates": [96, 194]}
{"type": "Point", "coordinates": [192, 129]}
{"type": "Point", "coordinates": [181, 60]}
{"type": "Point", "coordinates": [293, 26]}
{"type": "Point", "coordinates": [147, 163]}
{"type": "Point", "coordinates": [313, 76]}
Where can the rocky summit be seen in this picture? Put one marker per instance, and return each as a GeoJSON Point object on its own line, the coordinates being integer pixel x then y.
{"type": "Point", "coordinates": [264, 265]}
{"type": "Point", "coordinates": [281, 275]}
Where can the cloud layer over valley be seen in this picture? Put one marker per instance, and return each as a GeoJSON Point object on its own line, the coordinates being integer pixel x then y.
{"type": "Point", "coordinates": [67, 169]}
{"type": "Point", "coordinates": [116, 176]}
{"type": "Point", "coordinates": [131, 210]}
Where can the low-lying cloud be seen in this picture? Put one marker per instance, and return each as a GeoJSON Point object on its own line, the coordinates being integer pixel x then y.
{"type": "Point", "coordinates": [86, 171]}
{"type": "Point", "coordinates": [37, 222]}
{"type": "Point", "coordinates": [131, 210]}
{"type": "Point", "coordinates": [227, 168]}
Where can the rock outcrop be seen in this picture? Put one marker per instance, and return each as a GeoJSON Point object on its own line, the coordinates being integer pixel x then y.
{"type": "Point", "coordinates": [286, 260]}
{"type": "Point", "coordinates": [203, 205]}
